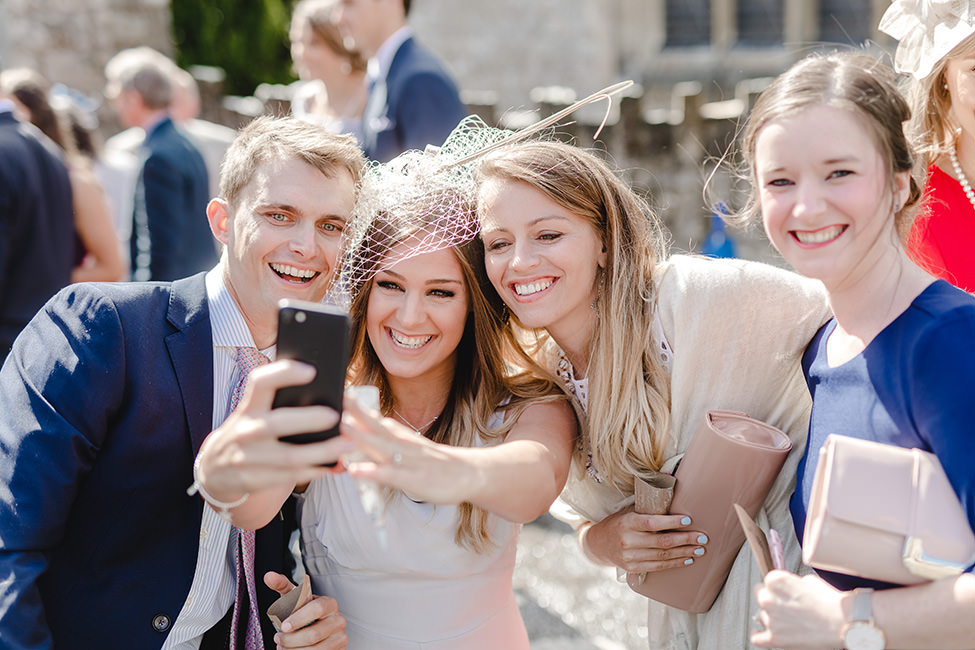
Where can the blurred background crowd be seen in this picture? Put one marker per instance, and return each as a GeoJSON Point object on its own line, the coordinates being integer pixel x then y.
{"type": "Point", "coordinates": [698, 64]}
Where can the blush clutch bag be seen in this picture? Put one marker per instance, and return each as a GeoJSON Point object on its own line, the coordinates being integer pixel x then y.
{"type": "Point", "coordinates": [731, 459]}
{"type": "Point", "coordinates": [886, 513]}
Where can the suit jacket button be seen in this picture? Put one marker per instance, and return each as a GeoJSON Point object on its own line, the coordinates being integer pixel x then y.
{"type": "Point", "coordinates": [161, 623]}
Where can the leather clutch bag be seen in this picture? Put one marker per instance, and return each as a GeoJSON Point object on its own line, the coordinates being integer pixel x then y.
{"type": "Point", "coordinates": [886, 513]}
{"type": "Point", "coordinates": [732, 458]}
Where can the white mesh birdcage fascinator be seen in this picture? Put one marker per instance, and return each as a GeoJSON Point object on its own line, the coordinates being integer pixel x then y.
{"type": "Point", "coordinates": [926, 31]}
{"type": "Point", "coordinates": [424, 201]}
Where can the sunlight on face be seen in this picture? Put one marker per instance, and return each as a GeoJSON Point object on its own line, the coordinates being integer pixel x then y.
{"type": "Point", "coordinates": [416, 314]}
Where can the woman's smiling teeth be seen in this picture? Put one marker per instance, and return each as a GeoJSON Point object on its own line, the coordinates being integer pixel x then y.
{"type": "Point", "coordinates": [292, 273]}
{"type": "Point", "coordinates": [532, 287]}
{"type": "Point", "coordinates": [820, 236]}
{"type": "Point", "coordinates": [411, 342]}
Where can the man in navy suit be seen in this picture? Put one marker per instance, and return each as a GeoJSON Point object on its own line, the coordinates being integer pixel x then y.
{"type": "Point", "coordinates": [169, 237]}
{"type": "Point", "coordinates": [37, 235]}
{"type": "Point", "coordinates": [109, 392]}
{"type": "Point", "coordinates": [413, 102]}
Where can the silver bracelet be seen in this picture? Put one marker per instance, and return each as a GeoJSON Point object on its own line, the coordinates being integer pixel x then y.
{"type": "Point", "coordinates": [223, 508]}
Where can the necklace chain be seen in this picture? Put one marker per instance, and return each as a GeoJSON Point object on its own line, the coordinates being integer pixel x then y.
{"type": "Point", "coordinates": [410, 424]}
{"type": "Point", "coordinates": [962, 179]}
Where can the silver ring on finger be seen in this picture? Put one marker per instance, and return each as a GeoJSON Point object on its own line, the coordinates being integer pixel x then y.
{"type": "Point", "coordinates": [397, 458]}
{"type": "Point", "coordinates": [758, 622]}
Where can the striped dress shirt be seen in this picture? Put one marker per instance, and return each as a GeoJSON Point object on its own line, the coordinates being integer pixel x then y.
{"type": "Point", "coordinates": [215, 579]}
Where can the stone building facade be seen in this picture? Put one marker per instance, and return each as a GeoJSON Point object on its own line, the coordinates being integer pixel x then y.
{"type": "Point", "coordinates": [697, 64]}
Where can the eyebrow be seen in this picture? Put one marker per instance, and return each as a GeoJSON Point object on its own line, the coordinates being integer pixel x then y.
{"type": "Point", "coordinates": [830, 161]}
{"type": "Point", "coordinates": [841, 159]}
{"type": "Point", "coordinates": [532, 222]}
{"type": "Point", "coordinates": [431, 281]}
{"type": "Point", "coordinates": [287, 207]}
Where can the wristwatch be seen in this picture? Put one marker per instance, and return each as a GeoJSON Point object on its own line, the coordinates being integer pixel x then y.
{"type": "Point", "coordinates": [860, 633]}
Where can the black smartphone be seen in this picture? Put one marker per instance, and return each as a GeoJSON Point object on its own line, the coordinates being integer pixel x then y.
{"type": "Point", "coordinates": [318, 335]}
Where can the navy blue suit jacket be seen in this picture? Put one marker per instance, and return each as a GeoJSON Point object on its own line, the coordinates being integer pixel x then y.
{"type": "Point", "coordinates": [417, 105]}
{"type": "Point", "coordinates": [36, 225]}
{"type": "Point", "coordinates": [104, 401]}
{"type": "Point", "coordinates": [170, 234]}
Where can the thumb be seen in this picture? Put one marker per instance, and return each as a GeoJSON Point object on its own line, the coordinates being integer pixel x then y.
{"type": "Point", "coordinates": [278, 582]}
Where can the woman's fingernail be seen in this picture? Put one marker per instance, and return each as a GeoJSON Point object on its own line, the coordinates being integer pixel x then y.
{"type": "Point", "coordinates": [702, 539]}
{"type": "Point", "coordinates": [699, 551]}
{"type": "Point", "coordinates": [685, 521]}
{"type": "Point", "coordinates": [689, 561]}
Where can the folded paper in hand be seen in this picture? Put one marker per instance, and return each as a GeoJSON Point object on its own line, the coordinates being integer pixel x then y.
{"type": "Point", "coordinates": [287, 604]}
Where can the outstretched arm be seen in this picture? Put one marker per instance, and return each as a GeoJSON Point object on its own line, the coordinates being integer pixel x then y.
{"type": "Point", "coordinates": [517, 480]}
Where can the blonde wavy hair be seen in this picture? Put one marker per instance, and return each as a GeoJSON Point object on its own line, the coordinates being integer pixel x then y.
{"type": "Point", "coordinates": [484, 381]}
{"type": "Point", "coordinates": [932, 127]}
{"type": "Point", "coordinates": [629, 389]}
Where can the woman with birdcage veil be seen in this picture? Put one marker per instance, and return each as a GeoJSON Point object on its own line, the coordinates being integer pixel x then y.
{"type": "Point", "coordinates": [936, 49]}
{"type": "Point", "coordinates": [466, 449]}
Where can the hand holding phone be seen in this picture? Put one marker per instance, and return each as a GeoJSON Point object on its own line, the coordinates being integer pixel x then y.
{"type": "Point", "coordinates": [318, 335]}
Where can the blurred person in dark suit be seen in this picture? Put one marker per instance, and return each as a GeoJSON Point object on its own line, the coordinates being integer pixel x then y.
{"type": "Point", "coordinates": [97, 257]}
{"type": "Point", "coordinates": [413, 101]}
{"type": "Point", "coordinates": [210, 138]}
{"type": "Point", "coordinates": [37, 235]}
{"type": "Point", "coordinates": [169, 240]}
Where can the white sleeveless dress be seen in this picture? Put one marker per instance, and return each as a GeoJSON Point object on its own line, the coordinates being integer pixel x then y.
{"type": "Point", "coordinates": [421, 590]}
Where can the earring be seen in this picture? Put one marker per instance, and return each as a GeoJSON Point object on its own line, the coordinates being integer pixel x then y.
{"type": "Point", "coordinates": [599, 291]}
{"type": "Point", "coordinates": [897, 207]}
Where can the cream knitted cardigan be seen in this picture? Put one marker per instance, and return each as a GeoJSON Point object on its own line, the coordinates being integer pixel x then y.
{"type": "Point", "coordinates": [737, 330]}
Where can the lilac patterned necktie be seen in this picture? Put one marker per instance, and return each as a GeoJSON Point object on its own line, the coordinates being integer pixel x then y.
{"type": "Point", "coordinates": [247, 359]}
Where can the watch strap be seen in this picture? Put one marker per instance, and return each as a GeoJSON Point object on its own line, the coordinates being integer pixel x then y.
{"type": "Point", "coordinates": [862, 604]}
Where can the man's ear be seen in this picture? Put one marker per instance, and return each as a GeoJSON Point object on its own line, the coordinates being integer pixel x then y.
{"type": "Point", "coordinates": [218, 214]}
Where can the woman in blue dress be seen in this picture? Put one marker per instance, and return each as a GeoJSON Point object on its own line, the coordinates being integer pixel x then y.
{"type": "Point", "coordinates": [832, 173]}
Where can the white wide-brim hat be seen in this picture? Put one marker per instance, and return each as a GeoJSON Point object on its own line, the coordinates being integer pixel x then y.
{"type": "Point", "coordinates": [926, 31]}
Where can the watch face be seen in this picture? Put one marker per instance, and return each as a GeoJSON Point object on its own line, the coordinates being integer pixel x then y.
{"type": "Point", "coordinates": [864, 636]}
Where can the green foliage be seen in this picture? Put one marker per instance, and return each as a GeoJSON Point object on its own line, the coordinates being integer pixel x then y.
{"type": "Point", "coordinates": [247, 38]}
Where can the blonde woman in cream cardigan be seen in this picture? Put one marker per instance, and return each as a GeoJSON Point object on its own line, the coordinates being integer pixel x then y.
{"type": "Point", "coordinates": [645, 348]}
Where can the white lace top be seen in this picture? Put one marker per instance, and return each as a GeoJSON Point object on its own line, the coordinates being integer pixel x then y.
{"type": "Point", "coordinates": [579, 388]}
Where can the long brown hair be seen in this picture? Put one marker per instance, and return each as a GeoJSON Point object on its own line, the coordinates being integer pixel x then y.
{"type": "Point", "coordinates": [482, 381]}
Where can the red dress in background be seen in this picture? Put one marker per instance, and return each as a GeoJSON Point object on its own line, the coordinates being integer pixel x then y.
{"type": "Point", "coordinates": [943, 237]}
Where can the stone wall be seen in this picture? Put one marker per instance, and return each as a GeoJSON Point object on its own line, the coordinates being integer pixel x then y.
{"type": "Point", "coordinates": [69, 41]}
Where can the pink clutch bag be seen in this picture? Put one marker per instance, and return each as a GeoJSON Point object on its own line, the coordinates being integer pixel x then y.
{"type": "Point", "coordinates": [886, 513]}
{"type": "Point", "coordinates": [731, 459]}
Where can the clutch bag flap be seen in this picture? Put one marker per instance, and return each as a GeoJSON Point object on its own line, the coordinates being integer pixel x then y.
{"type": "Point", "coordinates": [884, 512]}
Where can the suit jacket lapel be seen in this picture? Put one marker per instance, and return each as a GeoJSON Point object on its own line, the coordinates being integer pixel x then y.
{"type": "Point", "coordinates": [191, 350]}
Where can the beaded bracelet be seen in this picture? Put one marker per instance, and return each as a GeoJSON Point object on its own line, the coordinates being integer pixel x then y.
{"type": "Point", "coordinates": [222, 508]}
